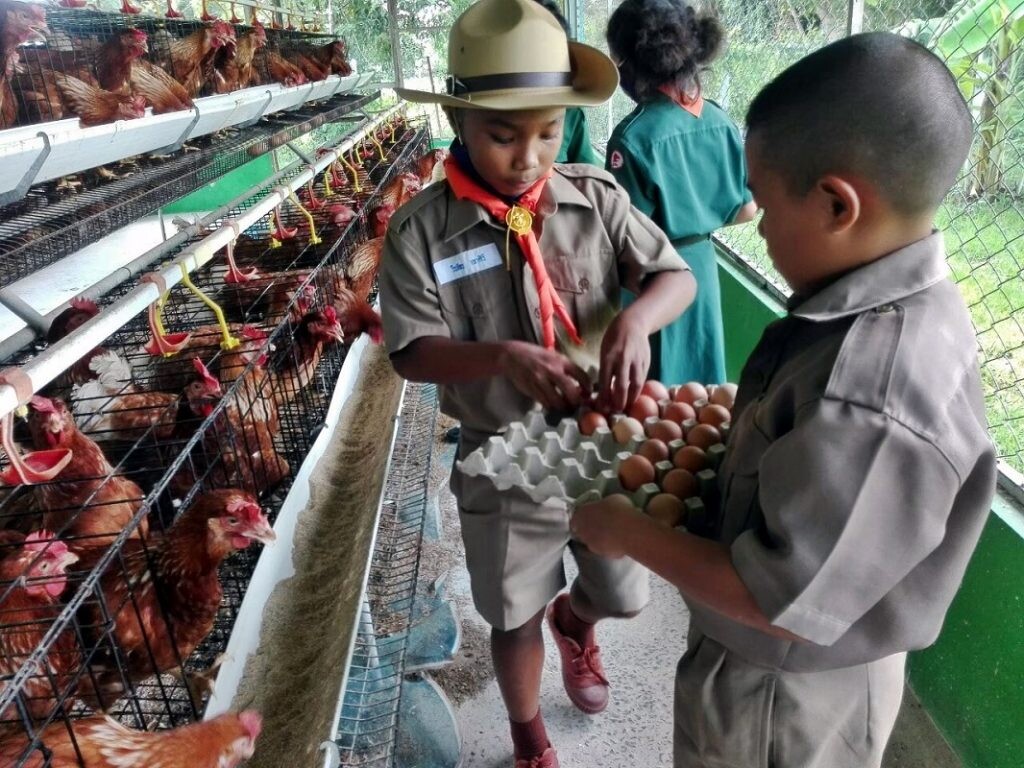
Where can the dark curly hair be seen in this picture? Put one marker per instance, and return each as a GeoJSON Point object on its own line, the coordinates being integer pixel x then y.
{"type": "Point", "coordinates": [662, 42]}
{"type": "Point", "coordinates": [555, 9]}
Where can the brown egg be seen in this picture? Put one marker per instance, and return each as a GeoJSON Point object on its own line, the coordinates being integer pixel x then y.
{"type": "Point", "coordinates": [679, 412]}
{"type": "Point", "coordinates": [665, 430]}
{"type": "Point", "coordinates": [703, 436]}
{"type": "Point", "coordinates": [618, 500]}
{"type": "Point", "coordinates": [655, 390]}
{"type": "Point", "coordinates": [654, 451]}
{"type": "Point", "coordinates": [691, 392]}
{"type": "Point", "coordinates": [667, 509]}
{"type": "Point", "coordinates": [724, 395]}
{"type": "Point", "coordinates": [680, 483]}
{"type": "Point", "coordinates": [626, 428]}
{"type": "Point", "coordinates": [591, 421]}
{"type": "Point", "coordinates": [715, 415]}
{"type": "Point", "coordinates": [635, 471]}
{"type": "Point", "coordinates": [690, 458]}
{"type": "Point", "coordinates": [643, 408]}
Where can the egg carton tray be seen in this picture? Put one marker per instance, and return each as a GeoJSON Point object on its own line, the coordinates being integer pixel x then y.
{"type": "Point", "coordinates": [562, 463]}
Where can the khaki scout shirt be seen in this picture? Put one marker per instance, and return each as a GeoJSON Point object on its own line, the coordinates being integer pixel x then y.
{"type": "Point", "coordinates": [443, 273]}
{"type": "Point", "coordinates": [859, 470]}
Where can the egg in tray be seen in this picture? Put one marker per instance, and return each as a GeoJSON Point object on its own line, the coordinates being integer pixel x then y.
{"type": "Point", "coordinates": [662, 455]}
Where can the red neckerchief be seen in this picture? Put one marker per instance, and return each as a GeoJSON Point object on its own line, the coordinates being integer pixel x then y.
{"type": "Point", "coordinates": [694, 106]}
{"type": "Point", "coordinates": [519, 220]}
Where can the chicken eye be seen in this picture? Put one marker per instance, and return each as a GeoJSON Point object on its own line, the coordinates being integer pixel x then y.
{"type": "Point", "coordinates": [44, 566]}
{"type": "Point", "coordinates": [232, 520]}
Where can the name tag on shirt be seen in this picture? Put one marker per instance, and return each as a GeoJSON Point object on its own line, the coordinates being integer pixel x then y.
{"type": "Point", "coordinates": [467, 263]}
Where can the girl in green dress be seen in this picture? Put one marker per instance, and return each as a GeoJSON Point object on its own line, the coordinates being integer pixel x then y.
{"type": "Point", "coordinates": [681, 159]}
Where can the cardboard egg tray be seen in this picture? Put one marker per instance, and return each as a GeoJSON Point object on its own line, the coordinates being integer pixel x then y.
{"type": "Point", "coordinates": [562, 463]}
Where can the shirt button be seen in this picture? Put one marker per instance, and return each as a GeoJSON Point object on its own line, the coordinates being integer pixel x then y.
{"type": "Point", "coordinates": [584, 284]}
{"type": "Point", "coordinates": [478, 309]}
{"type": "Point", "coordinates": [885, 309]}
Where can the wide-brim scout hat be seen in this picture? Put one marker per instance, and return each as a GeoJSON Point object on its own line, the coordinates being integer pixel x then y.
{"type": "Point", "coordinates": [513, 54]}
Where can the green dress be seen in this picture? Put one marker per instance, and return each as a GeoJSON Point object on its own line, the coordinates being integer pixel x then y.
{"type": "Point", "coordinates": [576, 146]}
{"type": "Point", "coordinates": [689, 175]}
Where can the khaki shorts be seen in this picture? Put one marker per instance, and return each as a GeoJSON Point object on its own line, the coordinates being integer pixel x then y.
{"type": "Point", "coordinates": [733, 714]}
{"type": "Point", "coordinates": [514, 551]}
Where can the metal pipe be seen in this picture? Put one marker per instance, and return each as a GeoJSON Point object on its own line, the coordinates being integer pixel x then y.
{"type": "Point", "coordinates": [855, 17]}
{"type": "Point", "coordinates": [58, 357]}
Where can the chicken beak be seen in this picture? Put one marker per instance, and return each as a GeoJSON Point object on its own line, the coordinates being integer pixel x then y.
{"type": "Point", "coordinates": [263, 533]}
{"type": "Point", "coordinates": [335, 332]}
{"type": "Point", "coordinates": [69, 558]}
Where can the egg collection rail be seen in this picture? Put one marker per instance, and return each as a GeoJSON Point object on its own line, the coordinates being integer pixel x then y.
{"type": "Point", "coordinates": [163, 449]}
{"type": "Point", "coordinates": [54, 220]}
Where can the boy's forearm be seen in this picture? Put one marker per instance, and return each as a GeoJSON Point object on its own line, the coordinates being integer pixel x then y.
{"type": "Point", "coordinates": [664, 297]}
{"type": "Point", "coordinates": [439, 360]}
{"type": "Point", "coordinates": [702, 570]}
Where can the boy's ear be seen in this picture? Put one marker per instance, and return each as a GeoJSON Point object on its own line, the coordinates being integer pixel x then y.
{"type": "Point", "coordinates": [843, 202]}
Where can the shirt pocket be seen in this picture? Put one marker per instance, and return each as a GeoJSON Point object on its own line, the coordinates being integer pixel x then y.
{"type": "Point", "coordinates": [481, 307]}
{"type": "Point", "coordinates": [588, 284]}
{"type": "Point", "coordinates": [741, 475]}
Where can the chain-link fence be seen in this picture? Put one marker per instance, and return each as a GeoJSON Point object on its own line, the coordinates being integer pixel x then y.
{"type": "Point", "coordinates": [982, 42]}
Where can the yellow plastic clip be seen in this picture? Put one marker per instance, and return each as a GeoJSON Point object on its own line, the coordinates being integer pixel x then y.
{"type": "Point", "coordinates": [380, 148]}
{"type": "Point", "coordinates": [327, 182]}
{"type": "Point", "coordinates": [391, 125]}
{"type": "Point", "coordinates": [355, 173]}
{"type": "Point", "coordinates": [314, 238]}
{"type": "Point", "coordinates": [159, 315]}
{"type": "Point", "coordinates": [228, 341]}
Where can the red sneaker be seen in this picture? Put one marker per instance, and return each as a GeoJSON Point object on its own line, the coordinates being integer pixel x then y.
{"type": "Point", "coordinates": [546, 760]}
{"type": "Point", "coordinates": [582, 671]}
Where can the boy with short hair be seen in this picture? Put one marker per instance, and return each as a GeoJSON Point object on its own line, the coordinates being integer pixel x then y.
{"type": "Point", "coordinates": [502, 285]}
{"type": "Point", "coordinates": [859, 471]}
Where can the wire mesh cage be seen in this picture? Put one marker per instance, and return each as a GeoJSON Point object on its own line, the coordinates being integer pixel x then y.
{"type": "Point", "coordinates": [101, 67]}
{"type": "Point", "coordinates": [123, 566]}
{"type": "Point", "coordinates": [56, 219]}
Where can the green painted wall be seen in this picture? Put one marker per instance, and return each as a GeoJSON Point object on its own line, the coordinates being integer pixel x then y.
{"type": "Point", "coordinates": [972, 680]}
{"type": "Point", "coordinates": [746, 310]}
{"type": "Point", "coordinates": [226, 188]}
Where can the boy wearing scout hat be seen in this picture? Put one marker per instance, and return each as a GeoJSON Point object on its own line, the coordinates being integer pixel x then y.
{"type": "Point", "coordinates": [859, 472]}
{"type": "Point", "coordinates": [502, 286]}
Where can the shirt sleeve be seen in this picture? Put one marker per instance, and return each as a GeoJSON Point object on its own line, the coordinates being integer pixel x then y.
{"type": "Point", "coordinates": [409, 303]}
{"type": "Point", "coordinates": [581, 149]}
{"type": "Point", "coordinates": [852, 502]}
{"type": "Point", "coordinates": [632, 176]}
{"type": "Point", "coordinates": [641, 247]}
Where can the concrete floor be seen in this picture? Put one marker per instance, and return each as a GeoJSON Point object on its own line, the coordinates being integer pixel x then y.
{"type": "Point", "coordinates": [640, 657]}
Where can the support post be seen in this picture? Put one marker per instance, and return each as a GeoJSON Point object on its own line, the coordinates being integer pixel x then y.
{"type": "Point", "coordinates": [396, 42]}
{"type": "Point", "coordinates": [855, 17]}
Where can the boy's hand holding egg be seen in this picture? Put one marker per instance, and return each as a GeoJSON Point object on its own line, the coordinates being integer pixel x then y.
{"type": "Point", "coordinates": [625, 360]}
{"type": "Point", "coordinates": [548, 376]}
{"type": "Point", "coordinates": [603, 525]}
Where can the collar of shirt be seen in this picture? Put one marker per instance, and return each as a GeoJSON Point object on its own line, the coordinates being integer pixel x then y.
{"type": "Point", "coordinates": [692, 104]}
{"type": "Point", "coordinates": [464, 214]}
{"type": "Point", "coordinates": [885, 281]}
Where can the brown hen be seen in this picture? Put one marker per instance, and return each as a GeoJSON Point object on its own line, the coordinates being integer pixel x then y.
{"type": "Point", "coordinates": [32, 579]}
{"type": "Point", "coordinates": [87, 503]}
{"type": "Point", "coordinates": [164, 594]}
{"type": "Point", "coordinates": [223, 742]}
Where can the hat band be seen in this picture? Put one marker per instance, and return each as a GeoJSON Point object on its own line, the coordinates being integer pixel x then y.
{"type": "Point", "coordinates": [458, 86]}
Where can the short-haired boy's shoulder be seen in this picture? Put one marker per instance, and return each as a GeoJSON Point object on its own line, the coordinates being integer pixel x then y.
{"type": "Point", "coordinates": [430, 196]}
{"type": "Point", "coordinates": [585, 171]}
